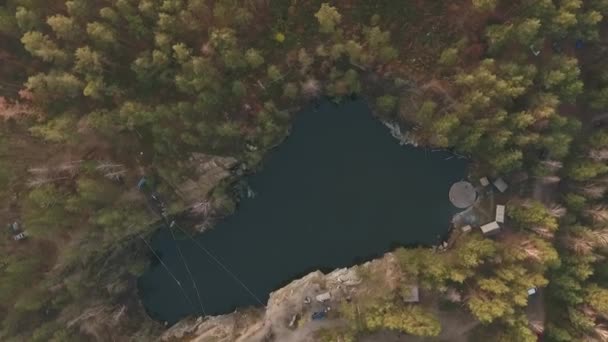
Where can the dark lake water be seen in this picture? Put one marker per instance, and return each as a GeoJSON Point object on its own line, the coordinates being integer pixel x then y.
{"type": "Point", "coordinates": [339, 191]}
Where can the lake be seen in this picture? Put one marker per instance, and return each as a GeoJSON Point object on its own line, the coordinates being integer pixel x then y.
{"type": "Point", "coordinates": [339, 191]}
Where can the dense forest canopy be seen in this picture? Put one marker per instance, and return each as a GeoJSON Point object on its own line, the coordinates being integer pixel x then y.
{"type": "Point", "coordinates": [95, 94]}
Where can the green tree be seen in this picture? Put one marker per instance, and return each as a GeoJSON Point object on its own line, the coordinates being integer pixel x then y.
{"type": "Point", "coordinates": [532, 214]}
{"type": "Point", "coordinates": [182, 53]}
{"type": "Point", "coordinates": [565, 17]}
{"type": "Point", "coordinates": [148, 8]}
{"type": "Point", "coordinates": [88, 61]}
{"type": "Point", "coordinates": [92, 194]}
{"type": "Point", "coordinates": [386, 104]}
{"type": "Point", "coordinates": [95, 88]}
{"type": "Point", "coordinates": [563, 78]}
{"type": "Point", "coordinates": [583, 170]}
{"type": "Point", "coordinates": [485, 5]}
{"type": "Point", "coordinates": [412, 320]}
{"type": "Point", "coordinates": [580, 321]}
{"type": "Point", "coordinates": [59, 129]}
{"type": "Point", "coordinates": [274, 73]}
{"type": "Point", "coordinates": [574, 201]}
{"type": "Point", "coordinates": [81, 9]}
{"type": "Point", "coordinates": [254, 58]}
{"type": "Point", "coordinates": [498, 36]}
{"type": "Point", "coordinates": [32, 300]}
{"type": "Point", "coordinates": [290, 90]}
{"type": "Point", "coordinates": [429, 269]}
{"type": "Point", "coordinates": [328, 17]}
{"type": "Point", "coordinates": [517, 330]}
{"type": "Point", "coordinates": [506, 161]}
{"type": "Point", "coordinates": [44, 214]}
{"type": "Point", "coordinates": [597, 297]}
{"type": "Point", "coordinates": [238, 89]}
{"type": "Point", "coordinates": [45, 332]}
{"type": "Point", "coordinates": [233, 59]}
{"type": "Point", "coordinates": [355, 52]}
{"type": "Point", "coordinates": [474, 251]}
{"type": "Point", "coordinates": [101, 34]}
{"type": "Point", "coordinates": [527, 31]}
{"type": "Point", "coordinates": [26, 19]}
{"type": "Point", "coordinates": [599, 98]}
{"type": "Point", "coordinates": [197, 75]}
{"type": "Point", "coordinates": [54, 86]}
{"type": "Point", "coordinates": [64, 27]}
{"type": "Point", "coordinates": [109, 14]}
{"type": "Point", "coordinates": [493, 285]}
{"type": "Point", "coordinates": [151, 68]}
{"type": "Point", "coordinates": [8, 22]}
{"type": "Point", "coordinates": [20, 271]}
{"type": "Point", "coordinates": [43, 47]}
{"type": "Point", "coordinates": [449, 57]}
{"type": "Point", "coordinates": [589, 23]}
{"type": "Point", "coordinates": [379, 41]}
{"type": "Point", "coordinates": [487, 309]}
{"type": "Point", "coordinates": [242, 17]}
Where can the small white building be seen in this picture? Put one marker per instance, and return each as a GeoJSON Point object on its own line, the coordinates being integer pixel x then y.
{"type": "Point", "coordinates": [490, 228]}
{"type": "Point", "coordinates": [500, 213]}
{"type": "Point", "coordinates": [413, 295]}
{"type": "Point", "coordinates": [466, 229]}
{"type": "Point", "coordinates": [531, 291]}
{"type": "Point", "coordinates": [484, 181]}
{"type": "Point", "coordinates": [500, 184]}
{"type": "Point", "coordinates": [323, 297]}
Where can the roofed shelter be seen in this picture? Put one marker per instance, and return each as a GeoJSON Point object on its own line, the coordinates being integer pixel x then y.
{"type": "Point", "coordinates": [501, 185]}
{"type": "Point", "coordinates": [500, 213]}
{"type": "Point", "coordinates": [490, 228]}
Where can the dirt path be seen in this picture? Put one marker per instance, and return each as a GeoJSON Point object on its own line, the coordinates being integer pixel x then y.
{"type": "Point", "coordinates": [307, 332]}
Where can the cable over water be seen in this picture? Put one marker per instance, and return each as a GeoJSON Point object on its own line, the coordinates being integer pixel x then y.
{"type": "Point", "coordinates": [181, 256]}
{"type": "Point", "coordinates": [170, 273]}
{"type": "Point", "coordinates": [241, 283]}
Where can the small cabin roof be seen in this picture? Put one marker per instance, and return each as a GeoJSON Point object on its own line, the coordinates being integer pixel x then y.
{"type": "Point", "coordinates": [484, 181]}
{"type": "Point", "coordinates": [414, 295]}
{"type": "Point", "coordinates": [466, 228]}
{"type": "Point", "coordinates": [490, 227]}
{"type": "Point", "coordinates": [323, 297]}
{"type": "Point", "coordinates": [500, 184]}
{"type": "Point", "coordinates": [500, 213]}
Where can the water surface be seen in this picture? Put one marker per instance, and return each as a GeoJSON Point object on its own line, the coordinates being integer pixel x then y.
{"type": "Point", "coordinates": [338, 191]}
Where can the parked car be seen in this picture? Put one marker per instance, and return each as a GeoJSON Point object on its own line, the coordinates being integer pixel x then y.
{"type": "Point", "coordinates": [20, 236]}
{"type": "Point", "coordinates": [319, 315]}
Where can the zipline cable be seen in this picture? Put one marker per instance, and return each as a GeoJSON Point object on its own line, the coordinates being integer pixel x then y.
{"type": "Point", "coordinates": [221, 265]}
{"type": "Point", "coordinates": [181, 256]}
{"type": "Point", "coordinates": [170, 273]}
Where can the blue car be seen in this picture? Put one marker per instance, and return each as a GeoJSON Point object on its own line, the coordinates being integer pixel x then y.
{"type": "Point", "coordinates": [319, 315]}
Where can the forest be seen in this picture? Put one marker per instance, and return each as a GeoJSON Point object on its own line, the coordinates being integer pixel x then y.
{"type": "Point", "coordinates": [96, 94]}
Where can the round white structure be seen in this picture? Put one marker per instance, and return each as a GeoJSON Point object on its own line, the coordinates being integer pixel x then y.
{"type": "Point", "coordinates": [463, 194]}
